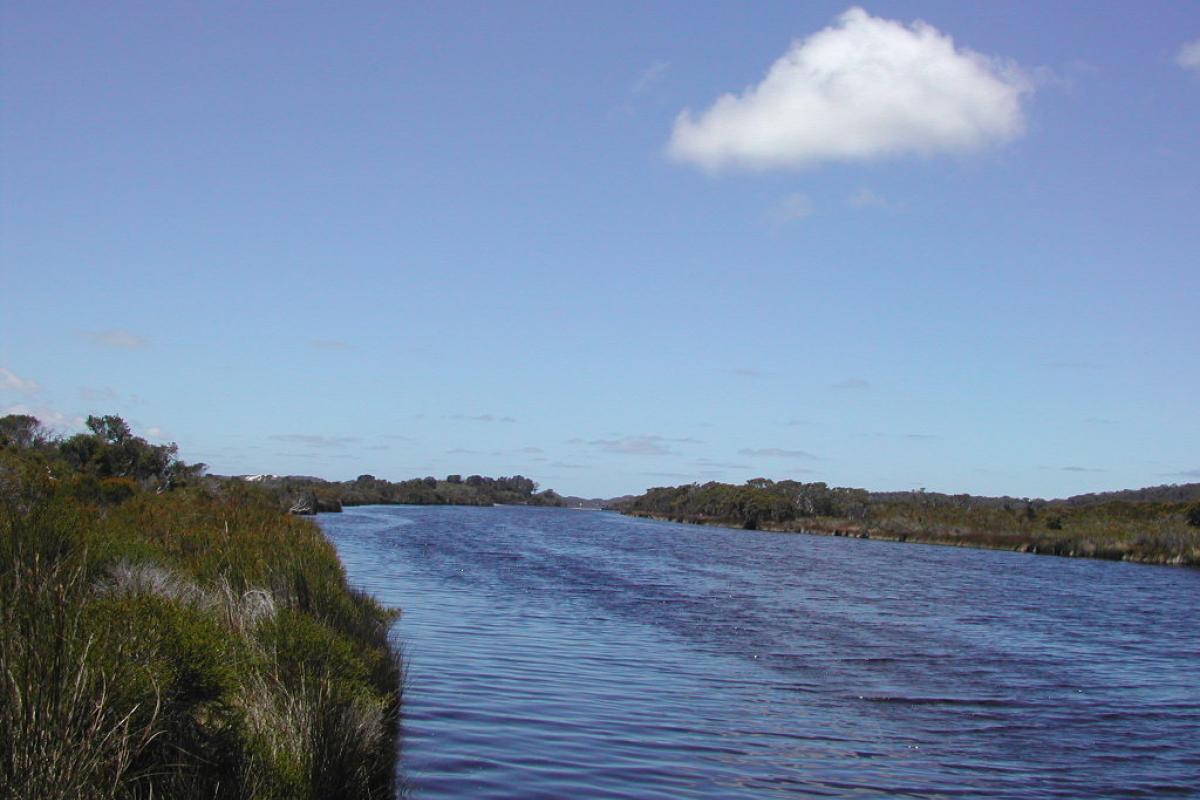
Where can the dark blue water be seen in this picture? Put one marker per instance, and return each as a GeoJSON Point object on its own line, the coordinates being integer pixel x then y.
{"type": "Point", "coordinates": [572, 654]}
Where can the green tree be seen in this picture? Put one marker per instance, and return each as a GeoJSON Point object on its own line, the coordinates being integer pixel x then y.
{"type": "Point", "coordinates": [23, 431]}
{"type": "Point", "coordinates": [111, 450]}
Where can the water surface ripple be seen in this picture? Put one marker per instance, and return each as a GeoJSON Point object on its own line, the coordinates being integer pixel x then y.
{"type": "Point", "coordinates": [555, 653]}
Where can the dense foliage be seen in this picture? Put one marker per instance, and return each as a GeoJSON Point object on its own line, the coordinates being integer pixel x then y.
{"type": "Point", "coordinates": [164, 637]}
{"type": "Point", "coordinates": [1165, 529]}
{"type": "Point", "coordinates": [757, 503]}
{"type": "Point", "coordinates": [313, 494]}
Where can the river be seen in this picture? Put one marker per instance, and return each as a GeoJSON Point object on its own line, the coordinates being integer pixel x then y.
{"type": "Point", "coordinates": [555, 653]}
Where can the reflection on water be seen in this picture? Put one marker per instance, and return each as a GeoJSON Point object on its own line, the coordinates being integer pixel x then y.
{"type": "Point", "coordinates": [556, 653]}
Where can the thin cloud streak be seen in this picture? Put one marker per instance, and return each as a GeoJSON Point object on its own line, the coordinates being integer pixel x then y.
{"type": "Point", "coordinates": [115, 338]}
{"type": "Point", "coordinates": [645, 445]}
{"type": "Point", "coordinates": [311, 440]}
{"type": "Point", "coordinates": [652, 76]}
{"type": "Point", "coordinates": [776, 452]}
{"type": "Point", "coordinates": [15, 383]}
{"type": "Point", "coordinates": [329, 344]}
{"type": "Point", "coordinates": [484, 418]}
{"type": "Point", "coordinates": [851, 385]}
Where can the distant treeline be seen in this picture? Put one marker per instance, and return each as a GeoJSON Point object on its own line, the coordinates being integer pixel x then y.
{"type": "Point", "coordinates": [757, 503]}
{"type": "Point", "coordinates": [167, 635]}
{"type": "Point", "coordinates": [1168, 493]}
{"type": "Point", "coordinates": [302, 494]}
{"type": "Point", "coordinates": [1159, 524]}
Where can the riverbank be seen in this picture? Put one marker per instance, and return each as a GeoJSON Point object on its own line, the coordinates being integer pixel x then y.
{"type": "Point", "coordinates": [1172, 547]}
{"type": "Point", "coordinates": [161, 636]}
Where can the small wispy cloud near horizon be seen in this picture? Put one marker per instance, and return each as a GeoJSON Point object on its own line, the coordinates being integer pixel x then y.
{"type": "Point", "coordinates": [675, 476]}
{"type": "Point", "coordinates": [1183, 473]}
{"type": "Point", "coordinates": [115, 338]}
{"type": "Point", "coordinates": [315, 456]}
{"type": "Point", "coordinates": [315, 441]}
{"type": "Point", "coordinates": [1188, 56]}
{"type": "Point", "coordinates": [748, 372]}
{"type": "Point", "coordinates": [633, 446]}
{"type": "Point", "coordinates": [13, 382]}
{"type": "Point", "coordinates": [718, 465]}
{"type": "Point", "coordinates": [329, 344]}
{"type": "Point", "coordinates": [1071, 365]}
{"type": "Point", "coordinates": [850, 385]}
{"type": "Point", "coordinates": [1082, 469]}
{"type": "Point", "coordinates": [859, 90]}
{"type": "Point", "coordinates": [645, 445]}
{"type": "Point", "coordinates": [483, 418]}
{"type": "Point", "coordinates": [776, 452]}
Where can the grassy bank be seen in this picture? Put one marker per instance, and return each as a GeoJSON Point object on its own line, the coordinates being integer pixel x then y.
{"type": "Point", "coordinates": [1143, 530]}
{"type": "Point", "coordinates": [164, 638]}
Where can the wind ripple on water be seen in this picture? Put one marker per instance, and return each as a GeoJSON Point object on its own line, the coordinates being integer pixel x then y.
{"type": "Point", "coordinates": [557, 653]}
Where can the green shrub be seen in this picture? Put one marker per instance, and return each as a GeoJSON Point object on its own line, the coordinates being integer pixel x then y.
{"type": "Point", "coordinates": [183, 645]}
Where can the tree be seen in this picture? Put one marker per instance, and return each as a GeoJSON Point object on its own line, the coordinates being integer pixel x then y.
{"type": "Point", "coordinates": [112, 451]}
{"type": "Point", "coordinates": [110, 428]}
{"type": "Point", "coordinates": [23, 431]}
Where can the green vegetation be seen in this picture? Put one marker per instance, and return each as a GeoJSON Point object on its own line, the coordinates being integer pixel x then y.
{"type": "Point", "coordinates": [162, 635]}
{"type": "Point", "coordinates": [304, 495]}
{"type": "Point", "coordinates": [1157, 525]}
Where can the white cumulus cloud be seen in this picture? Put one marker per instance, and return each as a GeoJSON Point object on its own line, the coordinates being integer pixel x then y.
{"type": "Point", "coordinates": [1189, 56]}
{"type": "Point", "coordinates": [864, 88]}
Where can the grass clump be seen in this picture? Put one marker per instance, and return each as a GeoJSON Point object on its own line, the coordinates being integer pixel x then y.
{"type": "Point", "coordinates": [173, 641]}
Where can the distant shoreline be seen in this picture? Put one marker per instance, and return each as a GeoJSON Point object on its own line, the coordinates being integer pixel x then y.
{"type": "Point", "coordinates": [1014, 542]}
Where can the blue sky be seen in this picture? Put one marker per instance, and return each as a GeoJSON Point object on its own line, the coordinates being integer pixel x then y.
{"type": "Point", "coordinates": [610, 246]}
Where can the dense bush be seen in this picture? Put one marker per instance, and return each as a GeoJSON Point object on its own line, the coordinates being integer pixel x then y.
{"type": "Point", "coordinates": [1132, 525]}
{"type": "Point", "coordinates": [314, 494]}
{"type": "Point", "coordinates": [181, 644]}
